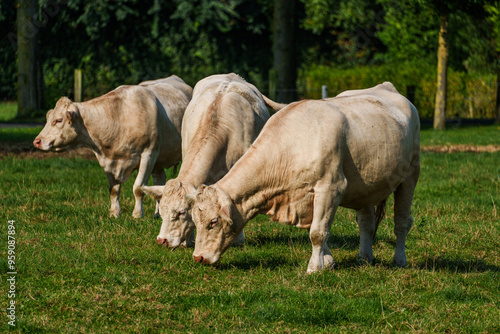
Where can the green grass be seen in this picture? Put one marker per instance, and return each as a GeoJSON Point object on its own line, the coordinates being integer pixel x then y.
{"type": "Point", "coordinates": [80, 271]}
{"type": "Point", "coordinates": [467, 135]}
{"type": "Point", "coordinates": [19, 135]}
{"type": "Point", "coordinates": [8, 111]}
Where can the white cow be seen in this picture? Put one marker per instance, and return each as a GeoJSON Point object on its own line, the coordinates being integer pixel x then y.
{"type": "Point", "coordinates": [224, 117]}
{"type": "Point", "coordinates": [353, 150]}
{"type": "Point", "coordinates": [129, 128]}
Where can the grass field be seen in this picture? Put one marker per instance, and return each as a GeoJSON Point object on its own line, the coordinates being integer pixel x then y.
{"type": "Point", "coordinates": [79, 271]}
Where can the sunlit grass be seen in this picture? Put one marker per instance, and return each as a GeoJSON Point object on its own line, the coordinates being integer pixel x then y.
{"type": "Point", "coordinates": [81, 271]}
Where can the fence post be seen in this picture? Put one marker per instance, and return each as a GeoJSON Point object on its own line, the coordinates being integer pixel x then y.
{"type": "Point", "coordinates": [78, 94]}
{"type": "Point", "coordinates": [324, 91]}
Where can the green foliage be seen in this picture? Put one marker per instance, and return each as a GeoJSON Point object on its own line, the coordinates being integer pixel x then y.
{"type": "Point", "coordinates": [346, 31]}
{"type": "Point", "coordinates": [128, 41]}
{"type": "Point", "coordinates": [469, 95]}
{"type": "Point", "coordinates": [125, 42]}
{"type": "Point", "coordinates": [414, 27]}
{"type": "Point", "coordinates": [493, 19]}
{"type": "Point", "coordinates": [8, 110]}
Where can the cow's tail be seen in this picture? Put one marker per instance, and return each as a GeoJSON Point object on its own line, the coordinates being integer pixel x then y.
{"type": "Point", "coordinates": [379, 215]}
{"type": "Point", "coordinates": [273, 105]}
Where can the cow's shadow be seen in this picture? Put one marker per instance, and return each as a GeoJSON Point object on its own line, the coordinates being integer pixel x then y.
{"type": "Point", "coordinates": [350, 242]}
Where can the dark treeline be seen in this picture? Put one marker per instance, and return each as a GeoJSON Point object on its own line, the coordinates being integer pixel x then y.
{"type": "Point", "coordinates": [119, 42]}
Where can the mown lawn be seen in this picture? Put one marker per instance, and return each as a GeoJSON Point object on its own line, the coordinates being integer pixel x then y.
{"type": "Point", "coordinates": [79, 271]}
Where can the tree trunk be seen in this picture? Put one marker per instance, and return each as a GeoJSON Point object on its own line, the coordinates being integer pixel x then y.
{"type": "Point", "coordinates": [30, 82]}
{"type": "Point", "coordinates": [442, 69]}
{"type": "Point", "coordinates": [284, 50]}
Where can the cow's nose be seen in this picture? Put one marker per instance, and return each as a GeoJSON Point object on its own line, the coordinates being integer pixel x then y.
{"type": "Point", "coordinates": [37, 142]}
{"type": "Point", "coordinates": [162, 242]}
{"type": "Point", "coordinates": [198, 259]}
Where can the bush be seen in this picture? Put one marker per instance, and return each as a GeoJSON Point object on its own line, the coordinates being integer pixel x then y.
{"type": "Point", "coordinates": [469, 95]}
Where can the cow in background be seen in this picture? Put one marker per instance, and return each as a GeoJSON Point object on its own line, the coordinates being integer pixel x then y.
{"type": "Point", "coordinates": [130, 128]}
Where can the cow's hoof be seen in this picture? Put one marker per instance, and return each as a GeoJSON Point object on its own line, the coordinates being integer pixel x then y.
{"type": "Point", "coordinates": [115, 214]}
{"type": "Point", "coordinates": [137, 214]}
{"type": "Point", "coordinates": [329, 263]}
{"type": "Point", "coordinates": [362, 261]}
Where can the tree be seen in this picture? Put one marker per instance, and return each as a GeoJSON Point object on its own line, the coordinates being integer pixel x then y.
{"type": "Point", "coordinates": [284, 50]}
{"type": "Point", "coordinates": [442, 73]}
{"type": "Point", "coordinates": [30, 78]}
{"type": "Point", "coordinates": [443, 9]}
{"type": "Point", "coordinates": [493, 11]}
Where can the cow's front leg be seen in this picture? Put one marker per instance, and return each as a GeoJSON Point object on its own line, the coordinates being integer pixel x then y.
{"type": "Point", "coordinates": [145, 167]}
{"type": "Point", "coordinates": [325, 204]}
{"type": "Point", "coordinates": [114, 192]}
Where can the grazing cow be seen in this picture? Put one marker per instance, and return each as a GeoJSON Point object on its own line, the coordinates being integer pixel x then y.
{"type": "Point", "coordinates": [129, 128]}
{"type": "Point", "coordinates": [352, 150]}
{"type": "Point", "coordinates": [224, 117]}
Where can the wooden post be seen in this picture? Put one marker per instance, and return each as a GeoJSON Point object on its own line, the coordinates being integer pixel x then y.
{"type": "Point", "coordinates": [78, 95]}
{"type": "Point", "coordinates": [324, 92]}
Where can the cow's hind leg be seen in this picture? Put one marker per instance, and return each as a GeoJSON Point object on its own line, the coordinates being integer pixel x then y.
{"type": "Point", "coordinates": [146, 165]}
{"type": "Point", "coordinates": [114, 193]}
{"type": "Point", "coordinates": [326, 200]}
{"type": "Point", "coordinates": [366, 223]}
{"type": "Point", "coordinates": [403, 197]}
{"type": "Point", "coordinates": [159, 179]}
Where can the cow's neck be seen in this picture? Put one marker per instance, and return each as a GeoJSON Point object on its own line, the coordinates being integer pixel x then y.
{"type": "Point", "coordinates": [93, 131]}
{"type": "Point", "coordinates": [204, 165]}
{"type": "Point", "coordinates": [250, 186]}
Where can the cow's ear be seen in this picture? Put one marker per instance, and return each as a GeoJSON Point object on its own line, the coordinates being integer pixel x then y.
{"type": "Point", "coordinates": [190, 199]}
{"type": "Point", "coordinates": [225, 212]}
{"type": "Point", "coordinates": [155, 191]}
{"type": "Point", "coordinates": [71, 115]}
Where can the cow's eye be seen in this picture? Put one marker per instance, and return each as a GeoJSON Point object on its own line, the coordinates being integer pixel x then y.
{"type": "Point", "coordinates": [213, 222]}
{"type": "Point", "coordinates": [182, 212]}
{"type": "Point", "coordinates": [59, 120]}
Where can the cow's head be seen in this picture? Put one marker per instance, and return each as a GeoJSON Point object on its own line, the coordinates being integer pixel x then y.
{"type": "Point", "coordinates": [217, 223]}
{"type": "Point", "coordinates": [177, 225]}
{"type": "Point", "coordinates": [62, 128]}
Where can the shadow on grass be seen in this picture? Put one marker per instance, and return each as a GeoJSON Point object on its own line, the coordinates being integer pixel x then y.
{"type": "Point", "coordinates": [348, 242]}
{"type": "Point", "coordinates": [252, 262]}
{"type": "Point", "coordinates": [456, 265]}
{"type": "Point", "coordinates": [248, 260]}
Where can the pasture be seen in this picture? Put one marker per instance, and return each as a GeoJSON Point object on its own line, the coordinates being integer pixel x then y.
{"type": "Point", "coordinates": [79, 271]}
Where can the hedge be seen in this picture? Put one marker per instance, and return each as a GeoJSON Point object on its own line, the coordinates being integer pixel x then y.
{"type": "Point", "coordinates": [469, 95]}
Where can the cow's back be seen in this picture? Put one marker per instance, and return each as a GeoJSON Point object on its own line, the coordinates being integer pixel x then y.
{"type": "Point", "coordinates": [223, 118]}
{"type": "Point", "coordinates": [133, 119]}
{"type": "Point", "coordinates": [224, 103]}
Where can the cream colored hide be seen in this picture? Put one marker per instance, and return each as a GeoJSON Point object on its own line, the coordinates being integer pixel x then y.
{"type": "Point", "coordinates": [129, 128]}
{"type": "Point", "coordinates": [353, 150]}
{"type": "Point", "coordinates": [222, 120]}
